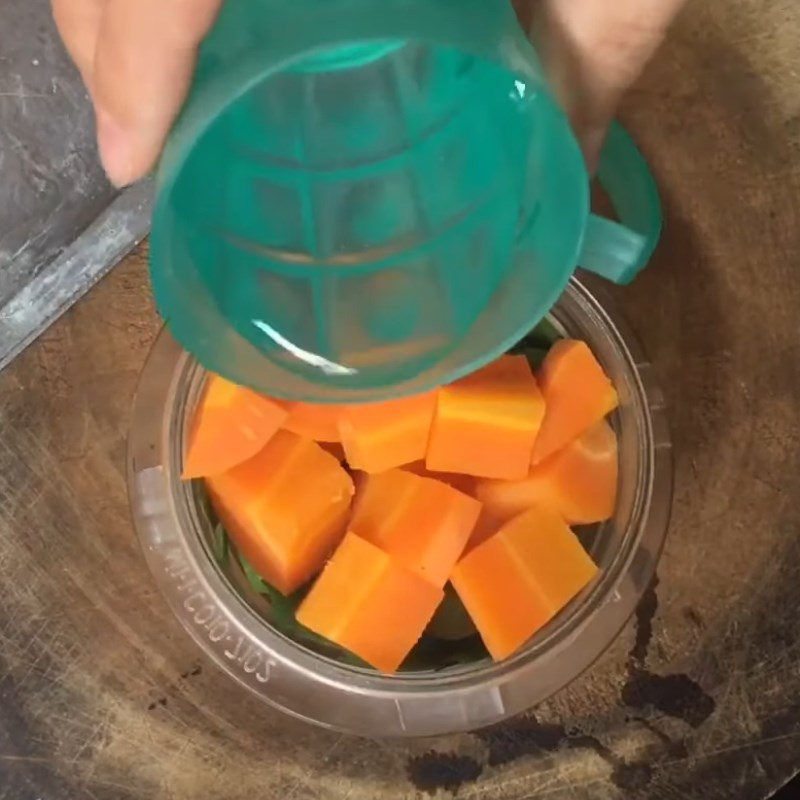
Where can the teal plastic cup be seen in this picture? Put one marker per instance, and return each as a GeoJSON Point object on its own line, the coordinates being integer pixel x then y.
{"type": "Point", "coordinates": [364, 200]}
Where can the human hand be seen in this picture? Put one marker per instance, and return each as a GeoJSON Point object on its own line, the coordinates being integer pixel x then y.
{"type": "Point", "coordinates": [593, 50]}
{"type": "Point", "coordinates": [136, 58]}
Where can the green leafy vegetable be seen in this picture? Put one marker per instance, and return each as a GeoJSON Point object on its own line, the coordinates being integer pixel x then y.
{"type": "Point", "coordinates": [452, 621]}
{"type": "Point", "coordinates": [535, 355]}
{"type": "Point", "coordinates": [220, 546]}
{"type": "Point", "coordinates": [537, 342]}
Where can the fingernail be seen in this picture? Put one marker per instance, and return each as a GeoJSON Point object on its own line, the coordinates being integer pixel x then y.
{"type": "Point", "coordinates": [116, 149]}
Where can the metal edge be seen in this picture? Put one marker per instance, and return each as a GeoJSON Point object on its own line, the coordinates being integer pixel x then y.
{"type": "Point", "coordinates": [112, 235]}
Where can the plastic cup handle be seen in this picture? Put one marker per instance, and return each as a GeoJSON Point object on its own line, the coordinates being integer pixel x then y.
{"type": "Point", "coordinates": [619, 250]}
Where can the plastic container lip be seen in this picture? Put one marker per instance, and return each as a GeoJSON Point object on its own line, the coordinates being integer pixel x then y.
{"type": "Point", "coordinates": [321, 691]}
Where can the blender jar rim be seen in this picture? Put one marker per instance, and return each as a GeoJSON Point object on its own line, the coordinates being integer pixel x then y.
{"type": "Point", "coordinates": [351, 699]}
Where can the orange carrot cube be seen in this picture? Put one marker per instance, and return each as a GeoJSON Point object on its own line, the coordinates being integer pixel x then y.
{"type": "Point", "coordinates": [579, 481]}
{"type": "Point", "coordinates": [577, 395]}
{"type": "Point", "coordinates": [285, 508]}
{"type": "Point", "coordinates": [486, 424]}
{"type": "Point", "coordinates": [488, 524]}
{"type": "Point", "coordinates": [422, 523]}
{"type": "Point", "coordinates": [369, 604]}
{"type": "Point", "coordinates": [335, 449]}
{"type": "Point", "coordinates": [316, 421]}
{"type": "Point", "coordinates": [460, 482]}
{"type": "Point", "coordinates": [230, 425]}
{"type": "Point", "coordinates": [380, 436]}
{"type": "Point", "coordinates": [518, 580]}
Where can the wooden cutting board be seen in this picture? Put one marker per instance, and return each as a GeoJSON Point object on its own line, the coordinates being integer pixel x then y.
{"type": "Point", "coordinates": [103, 696]}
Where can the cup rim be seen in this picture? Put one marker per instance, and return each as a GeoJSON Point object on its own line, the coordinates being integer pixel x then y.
{"type": "Point", "coordinates": [318, 690]}
{"type": "Point", "coordinates": [489, 31]}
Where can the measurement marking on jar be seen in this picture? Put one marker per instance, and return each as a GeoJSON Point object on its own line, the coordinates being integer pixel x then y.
{"type": "Point", "coordinates": [205, 614]}
{"type": "Point", "coordinates": [189, 584]}
{"type": "Point", "coordinates": [251, 659]}
{"type": "Point", "coordinates": [234, 656]}
{"type": "Point", "coordinates": [177, 566]}
{"type": "Point", "coordinates": [219, 630]}
{"type": "Point", "coordinates": [189, 602]}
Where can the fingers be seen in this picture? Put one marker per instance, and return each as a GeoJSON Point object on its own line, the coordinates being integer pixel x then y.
{"type": "Point", "coordinates": [137, 57]}
{"type": "Point", "coordinates": [593, 51]}
{"type": "Point", "coordinates": [142, 69]}
{"type": "Point", "coordinates": [524, 11]}
{"type": "Point", "coordinates": [79, 23]}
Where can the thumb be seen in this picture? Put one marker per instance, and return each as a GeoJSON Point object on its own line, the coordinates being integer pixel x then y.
{"type": "Point", "coordinates": [143, 66]}
{"type": "Point", "coordinates": [593, 51]}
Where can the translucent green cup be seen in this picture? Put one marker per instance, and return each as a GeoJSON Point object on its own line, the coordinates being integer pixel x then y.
{"type": "Point", "coordinates": [363, 200]}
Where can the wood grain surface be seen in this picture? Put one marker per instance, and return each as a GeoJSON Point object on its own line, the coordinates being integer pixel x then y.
{"type": "Point", "coordinates": [103, 696]}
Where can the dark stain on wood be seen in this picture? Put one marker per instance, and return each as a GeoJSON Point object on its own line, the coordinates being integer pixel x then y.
{"type": "Point", "coordinates": [433, 771]}
{"type": "Point", "coordinates": [529, 737]}
{"type": "Point", "coordinates": [645, 614]}
{"type": "Point", "coordinates": [692, 616]}
{"type": "Point", "coordinates": [675, 695]}
{"type": "Point", "coordinates": [520, 737]}
{"type": "Point", "coordinates": [192, 673]}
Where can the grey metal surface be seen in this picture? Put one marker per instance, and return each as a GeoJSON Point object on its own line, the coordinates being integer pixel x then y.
{"type": "Point", "coordinates": [62, 225]}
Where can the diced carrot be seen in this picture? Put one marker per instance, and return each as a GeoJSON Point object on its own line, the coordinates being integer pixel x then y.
{"type": "Point", "coordinates": [369, 604]}
{"type": "Point", "coordinates": [519, 579]}
{"type": "Point", "coordinates": [580, 482]}
{"type": "Point", "coordinates": [485, 424]}
{"type": "Point", "coordinates": [422, 523]}
{"type": "Point", "coordinates": [462, 483]}
{"type": "Point", "coordinates": [230, 425]}
{"type": "Point", "coordinates": [487, 526]}
{"type": "Point", "coordinates": [316, 421]}
{"type": "Point", "coordinates": [335, 449]}
{"type": "Point", "coordinates": [381, 436]}
{"type": "Point", "coordinates": [577, 394]}
{"type": "Point", "coordinates": [285, 508]}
